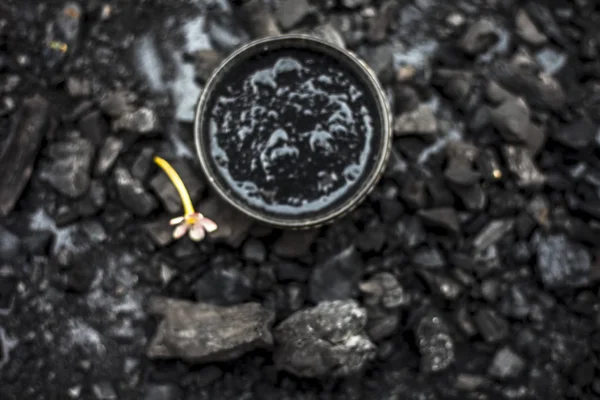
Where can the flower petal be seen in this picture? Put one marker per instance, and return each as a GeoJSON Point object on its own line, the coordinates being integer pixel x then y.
{"type": "Point", "coordinates": [197, 232]}
{"type": "Point", "coordinates": [176, 221]}
{"type": "Point", "coordinates": [209, 225]}
{"type": "Point", "coordinates": [180, 231]}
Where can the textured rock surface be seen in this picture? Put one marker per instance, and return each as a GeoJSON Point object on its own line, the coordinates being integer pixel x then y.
{"type": "Point", "coordinates": [328, 339]}
{"type": "Point", "coordinates": [199, 333]}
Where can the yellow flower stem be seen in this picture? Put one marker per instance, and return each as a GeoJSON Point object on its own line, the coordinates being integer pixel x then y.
{"type": "Point", "coordinates": [188, 207]}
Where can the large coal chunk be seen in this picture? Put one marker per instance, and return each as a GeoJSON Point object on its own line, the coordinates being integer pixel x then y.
{"type": "Point", "coordinates": [328, 339]}
{"type": "Point", "coordinates": [19, 151]}
{"type": "Point", "coordinates": [562, 263]}
{"type": "Point", "coordinates": [200, 333]}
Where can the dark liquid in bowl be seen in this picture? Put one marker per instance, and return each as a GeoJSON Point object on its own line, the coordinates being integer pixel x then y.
{"type": "Point", "coordinates": [292, 132]}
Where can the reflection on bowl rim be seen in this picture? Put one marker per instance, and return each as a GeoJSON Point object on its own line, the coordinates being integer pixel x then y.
{"type": "Point", "coordinates": [367, 78]}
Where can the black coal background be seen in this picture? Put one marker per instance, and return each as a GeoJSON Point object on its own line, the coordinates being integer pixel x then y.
{"type": "Point", "coordinates": [478, 265]}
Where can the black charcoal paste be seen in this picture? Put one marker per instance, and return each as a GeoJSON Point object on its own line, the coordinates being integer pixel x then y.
{"type": "Point", "coordinates": [292, 132]}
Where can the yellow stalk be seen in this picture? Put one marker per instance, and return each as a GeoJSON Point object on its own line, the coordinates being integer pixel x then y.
{"type": "Point", "coordinates": [188, 207]}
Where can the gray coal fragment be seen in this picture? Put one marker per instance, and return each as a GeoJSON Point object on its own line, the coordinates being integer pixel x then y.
{"type": "Point", "coordinates": [201, 333]}
{"type": "Point", "coordinates": [291, 12]}
{"type": "Point", "coordinates": [326, 340]}
{"type": "Point", "coordinates": [257, 19]}
{"type": "Point", "coordinates": [70, 171]}
{"type": "Point", "coordinates": [506, 364]}
{"type": "Point", "coordinates": [562, 263]}
{"type": "Point", "coordinates": [434, 341]}
{"type": "Point", "coordinates": [132, 193]}
{"type": "Point", "coordinates": [19, 151]}
{"type": "Point", "coordinates": [521, 164]}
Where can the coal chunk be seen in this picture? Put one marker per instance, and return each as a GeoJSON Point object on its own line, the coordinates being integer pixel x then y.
{"type": "Point", "coordinates": [233, 225]}
{"type": "Point", "coordinates": [166, 191]}
{"type": "Point", "coordinates": [291, 12]}
{"type": "Point", "coordinates": [540, 90]}
{"type": "Point", "coordinates": [257, 19]}
{"type": "Point", "coordinates": [116, 104]}
{"type": "Point", "coordinates": [577, 135]}
{"type": "Point", "coordinates": [492, 233]}
{"type": "Point", "coordinates": [521, 164]}
{"type": "Point", "coordinates": [328, 339]}
{"type": "Point", "coordinates": [479, 37]}
{"type": "Point", "coordinates": [527, 30]}
{"type": "Point", "coordinates": [511, 119]}
{"type": "Point", "coordinates": [562, 263]}
{"type": "Point", "coordinates": [93, 127]}
{"type": "Point", "coordinates": [223, 286]}
{"type": "Point", "coordinates": [10, 244]}
{"type": "Point", "coordinates": [205, 63]}
{"type": "Point", "coordinates": [421, 121]}
{"type": "Point", "coordinates": [385, 290]}
{"type": "Point", "coordinates": [201, 333]}
{"type": "Point", "coordinates": [491, 326]}
{"type": "Point", "coordinates": [434, 341]}
{"type": "Point", "coordinates": [337, 278]}
{"type": "Point", "coordinates": [444, 218]}
{"type": "Point", "coordinates": [428, 257]}
{"type": "Point", "coordinates": [141, 121]}
{"type": "Point", "coordinates": [292, 244]}
{"type": "Point", "coordinates": [108, 154]}
{"type": "Point", "coordinates": [379, 25]}
{"type": "Point", "coordinates": [132, 193]}
{"type": "Point", "coordinates": [162, 392]}
{"type": "Point", "coordinates": [506, 364]}
{"type": "Point", "coordinates": [254, 250]}
{"type": "Point", "coordinates": [19, 150]}
{"type": "Point", "coordinates": [70, 172]}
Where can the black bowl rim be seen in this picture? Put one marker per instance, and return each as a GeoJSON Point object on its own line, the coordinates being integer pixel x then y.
{"type": "Point", "coordinates": [365, 74]}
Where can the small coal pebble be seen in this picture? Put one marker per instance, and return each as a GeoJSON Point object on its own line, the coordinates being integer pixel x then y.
{"type": "Point", "coordinates": [491, 326]}
{"type": "Point", "coordinates": [444, 218]}
{"type": "Point", "coordinates": [421, 121]}
{"type": "Point", "coordinates": [142, 121]}
{"type": "Point", "coordinates": [132, 193]}
{"type": "Point", "coordinates": [527, 30]}
{"type": "Point", "coordinates": [116, 104]}
{"type": "Point", "coordinates": [577, 135]}
{"type": "Point", "coordinates": [291, 12]}
{"type": "Point", "coordinates": [435, 343]}
{"type": "Point", "coordinates": [70, 171]}
{"type": "Point", "coordinates": [492, 233]}
{"type": "Point", "coordinates": [384, 289]}
{"type": "Point", "coordinates": [511, 119]}
{"type": "Point", "coordinates": [506, 364]}
{"type": "Point", "coordinates": [223, 286]}
{"type": "Point", "coordinates": [161, 392]}
{"type": "Point", "coordinates": [166, 191]}
{"type": "Point", "coordinates": [479, 37]}
{"type": "Point", "coordinates": [108, 154]}
{"type": "Point", "coordinates": [10, 245]}
{"type": "Point", "coordinates": [254, 250]}
{"type": "Point", "coordinates": [104, 391]}
{"type": "Point", "coordinates": [429, 257]}
{"type": "Point", "coordinates": [562, 263]}
{"type": "Point", "coordinates": [521, 164]}
{"type": "Point", "coordinates": [337, 278]}
{"type": "Point", "coordinates": [292, 244]}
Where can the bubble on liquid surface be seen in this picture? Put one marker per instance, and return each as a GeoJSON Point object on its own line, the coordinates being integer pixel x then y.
{"type": "Point", "coordinates": [292, 132]}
